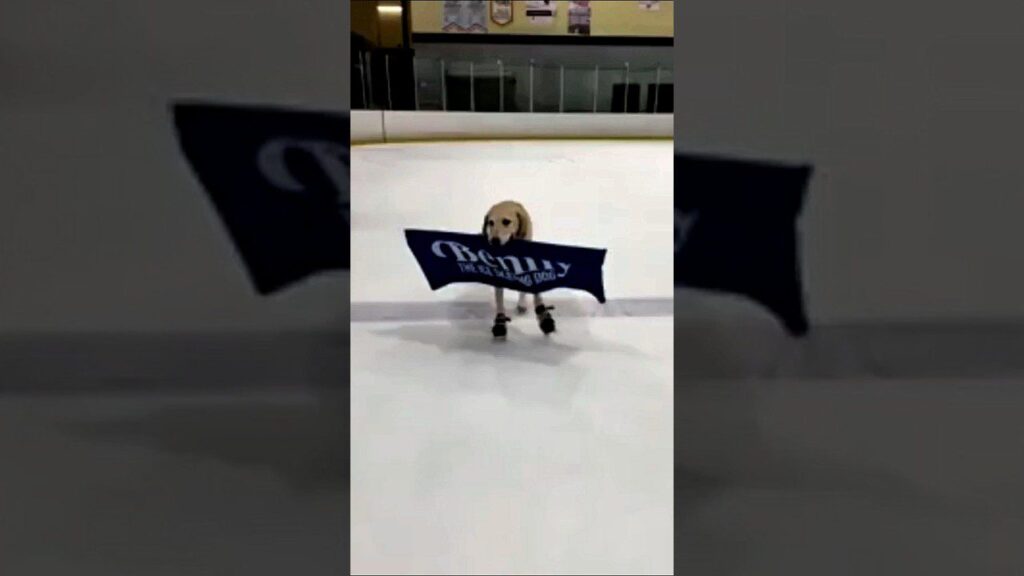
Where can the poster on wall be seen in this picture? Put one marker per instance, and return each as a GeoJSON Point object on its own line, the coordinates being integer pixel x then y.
{"type": "Point", "coordinates": [464, 16]}
{"type": "Point", "coordinates": [650, 5]}
{"type": "Point", "coordinates": [501, 12]}
{"type": "Point", "coordinates": [541, 12]}
{"type": "Point", "coordinates": [579, 17]}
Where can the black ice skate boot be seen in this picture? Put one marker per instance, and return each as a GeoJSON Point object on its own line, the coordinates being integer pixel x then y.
{"type": "Point", "coordinates": [547, 323]}
{"type": "Point", "coordinates": [499, 329]}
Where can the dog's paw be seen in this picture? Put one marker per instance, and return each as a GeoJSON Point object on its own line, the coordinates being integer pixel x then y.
{"type": "Point", "coordinates": [499, 330]}
{"type": "Point", "coordinates": [544, 319]}
{"type": "Point", "coordinates": [547, 325]}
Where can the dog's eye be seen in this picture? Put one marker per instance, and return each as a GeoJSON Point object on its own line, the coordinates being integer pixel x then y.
{"type": "Point", "coordinates": [506, 222]}
{"type": "Point", "coordinates": [490, 222]}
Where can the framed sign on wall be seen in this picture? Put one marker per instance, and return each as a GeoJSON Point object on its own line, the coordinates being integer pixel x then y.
{"type": "Point", "coordinates": [541, 11]}
{"type": "Point", "coordinates": [464, 16]}
{"type": "Point", "coordinates": [501, 12]}
{"type": "Point", "coordinates": [579, 17]}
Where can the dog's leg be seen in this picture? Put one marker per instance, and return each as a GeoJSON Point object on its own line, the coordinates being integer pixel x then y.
{"type": "Point", "coordinates": [521, 306]}
{"type": "Point", "coordinates": [544, 318]}
{"type": "Point", "coordinates": [499, 330]}
{"type": "Point", "coordinates": [499, 301]}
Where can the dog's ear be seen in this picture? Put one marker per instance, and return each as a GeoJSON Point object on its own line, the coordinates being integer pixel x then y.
{"type": "Point", "coordinates": [484, 229]}
{"type": "Point", "coordinates": [523, 227]}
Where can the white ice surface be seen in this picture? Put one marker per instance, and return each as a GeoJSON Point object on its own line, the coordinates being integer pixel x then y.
{"type": "Point", "coordinates": [535, 455]}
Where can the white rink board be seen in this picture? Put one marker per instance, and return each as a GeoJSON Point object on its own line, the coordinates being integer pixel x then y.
{"type": "Point", "coordinates": [396, 125]}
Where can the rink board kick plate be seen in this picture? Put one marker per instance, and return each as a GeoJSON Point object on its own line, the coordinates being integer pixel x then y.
{"type": "Point", "coordinates": [521, 265]}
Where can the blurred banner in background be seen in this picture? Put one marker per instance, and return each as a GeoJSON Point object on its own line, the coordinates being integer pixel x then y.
{"type": "Point", "coordinates": [279, 179]}
{"type": "Point", "coordinates": [736, 231]}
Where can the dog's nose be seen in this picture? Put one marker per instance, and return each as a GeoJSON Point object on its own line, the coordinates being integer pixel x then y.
{"type": "Point", "coordinates": [495, 241]}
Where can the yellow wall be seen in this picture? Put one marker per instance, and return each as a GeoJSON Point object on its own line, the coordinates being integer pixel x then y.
{"type": "Point", "coordinates": [364, 20]}
{"type": "Point", "coordinates": [391, 25]}
{"type": "Point", "coordinates": [382, 29]}
{"type": "Point", "coordinates": [608, 18]}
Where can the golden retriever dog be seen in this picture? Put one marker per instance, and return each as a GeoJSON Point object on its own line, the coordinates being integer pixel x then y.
{"type": "Point", "coordinates": [504, 222]}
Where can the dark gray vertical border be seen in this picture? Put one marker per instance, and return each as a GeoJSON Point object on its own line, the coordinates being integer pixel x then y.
{"type": "Point", "coordinates": [681, 61]}
{"type": "Point", "coordinates": [344, 52]}
{"type": "Point", "coordinates": [934, 77]}
{"type": "Point", "coordinates": [343, 402]}
{"type": "Point", "coordinates": [124, 216]}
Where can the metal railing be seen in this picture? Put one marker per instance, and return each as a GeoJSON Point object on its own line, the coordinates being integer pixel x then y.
{"type": "Point", "coordinates": [390, 82]}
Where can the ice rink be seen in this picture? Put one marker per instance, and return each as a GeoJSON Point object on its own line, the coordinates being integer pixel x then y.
{"type": "Point", "coordinates": [537, 455]}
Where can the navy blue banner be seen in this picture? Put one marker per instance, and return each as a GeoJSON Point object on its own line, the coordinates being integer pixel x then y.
{"type": "Point", "coordinates": [736, 231]}
{"type": "Point", "coordinates": [279, 179]}
{"type": "Point", "coordinates": [526, 266]}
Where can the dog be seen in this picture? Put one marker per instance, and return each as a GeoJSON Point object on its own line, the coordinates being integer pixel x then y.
{"type": "Point", "coordinates": [504, 222]}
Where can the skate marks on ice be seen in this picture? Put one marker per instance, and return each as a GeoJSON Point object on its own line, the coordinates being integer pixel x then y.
{"type": "Point", "coordinates": [480, 309]}
{"type": "Point", "coordinates": [472, 341]}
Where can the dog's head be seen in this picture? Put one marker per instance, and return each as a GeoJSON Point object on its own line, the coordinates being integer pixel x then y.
{"type": "Point", "coordinates": [505, 221]}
